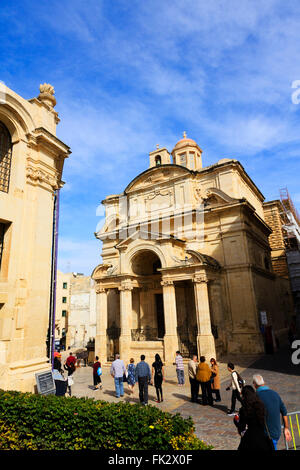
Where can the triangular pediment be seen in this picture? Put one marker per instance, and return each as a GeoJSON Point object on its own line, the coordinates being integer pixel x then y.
{"type": "Point", "coordinates": [156, 175]}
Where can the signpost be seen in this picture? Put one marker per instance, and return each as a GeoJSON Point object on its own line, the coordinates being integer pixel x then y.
{"type": "Point", "coordinates": [45, 383]}
{"type": "Point", "coordinates": [263, 317]}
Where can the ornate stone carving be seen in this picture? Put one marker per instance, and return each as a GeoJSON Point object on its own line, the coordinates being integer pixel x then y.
{"type": "Point", "coordinates": [47, 94]}
{"type": "Point", "coordinates": [100, 289]}
{"type": "Point", "coordinates": [41, 176]}
{"type": "Point", "coordinates": [126, 285]}
{"type": "Point", "coordinates": [111, 270]}
{"type": "Point", "coordinates": [167, 282]}
{"type": "Point", "coordinates": [199, 278]}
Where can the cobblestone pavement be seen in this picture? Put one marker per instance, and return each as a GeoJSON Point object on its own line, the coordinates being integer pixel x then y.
{"type": "Point", "coordinates": [212, 423]}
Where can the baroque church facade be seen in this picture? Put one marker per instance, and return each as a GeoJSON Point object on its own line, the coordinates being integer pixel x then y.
{"type": "Point", "coordinates": [187, 263]}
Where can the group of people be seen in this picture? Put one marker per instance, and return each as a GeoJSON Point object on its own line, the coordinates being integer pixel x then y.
{"type": "Point", "coordinates": [140, 374]}
{"type": "Point", "coordinates": [258, 420]}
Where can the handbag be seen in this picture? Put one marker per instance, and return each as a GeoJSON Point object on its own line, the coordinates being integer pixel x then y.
{"type": "Point", "coordinates": [99, 371]}
{"type": "Point", "coordinates": [213, 375]}
{"type": "Point", "coordinates": [270, 440]}
{"type": "Point", "coordinates": [70, 381]}
{"type": "Point", "coordinates": [124, 377]}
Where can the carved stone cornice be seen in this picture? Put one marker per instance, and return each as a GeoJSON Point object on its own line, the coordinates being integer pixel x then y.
{"type": "Point", "coordinates": [126, 286]}
{"type": "Point", "coordinates": [37, 176]}
{"type": "Point", "coordinates": [100, 289]}
{"type": "Point", "coordinates": [200, 278]}
{"type": "Point", "coordinates": [167, 282]}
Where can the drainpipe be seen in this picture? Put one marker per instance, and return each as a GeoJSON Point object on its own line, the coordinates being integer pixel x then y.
{"type": "Point", "coordinates": [53, 276]}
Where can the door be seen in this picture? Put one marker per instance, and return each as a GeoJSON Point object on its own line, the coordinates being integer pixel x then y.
{"type": "Point", "coordinates": [159, 301]}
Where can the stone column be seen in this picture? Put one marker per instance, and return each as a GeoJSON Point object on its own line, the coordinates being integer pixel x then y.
{"type": "Point", "coordinates": [101, 323]}
{"type": "Point", "coordinates": [205, 339]}
{"type": "Point", "coordinates": [125, 319]}
{"type": "Point", "coordinates": [170, 313]}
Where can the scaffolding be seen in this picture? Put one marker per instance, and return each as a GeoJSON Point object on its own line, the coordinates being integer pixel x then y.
{"type": "Point", "coordinates": [292, 226]}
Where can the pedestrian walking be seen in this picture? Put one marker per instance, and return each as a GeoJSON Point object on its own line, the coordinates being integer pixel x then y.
{"type": "Point", "coordinates": [250, 422]}
{"type": "Point", "coordinates": [158, 372]}
{"type": "Point", "coordinates": [70, 366]}
{"type": "Point", "coordinates": [179, 368]}
{"type": "Point", "coordinates": [71, 359]}
{"type": "Point", "coordinates": [275, 408]}
{"type": "Point", "coordinates": [203, 376]}
{"type": "Point", "coordinates": [131, 375]}
{"type": "Point", "coordinates": [97, 372]}
{"type": "Point", "coordinates": [215, 381]}
{"type": "Point", "coordinates": [117, 371]}
{"type": "Point", "coordinates": [236, 387]}
{"type": "Point", "coordinates": [192, 371]}
{"type": "Point", "coordinates": [143, 377]}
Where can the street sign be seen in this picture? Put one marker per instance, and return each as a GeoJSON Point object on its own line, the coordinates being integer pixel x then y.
{"type": "Point", "coordinates": [45, 383]}
{"type": "Point", "coordinates": [263, 318]}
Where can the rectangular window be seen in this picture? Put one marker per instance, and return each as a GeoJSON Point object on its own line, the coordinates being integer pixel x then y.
{"type": "Point", "coordinates": [65, 285]}
{"type": "Point", "coordinates": [64, 299]}
{"type": "Point", "coordinates": [64, 313]}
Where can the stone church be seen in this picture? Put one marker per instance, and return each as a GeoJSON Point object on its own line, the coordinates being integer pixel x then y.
{"type": "Point", "coordinates": [187, 262]}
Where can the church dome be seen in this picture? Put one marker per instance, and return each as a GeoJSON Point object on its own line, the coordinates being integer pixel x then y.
{"type": "Point", "coordinates": [185, 142]}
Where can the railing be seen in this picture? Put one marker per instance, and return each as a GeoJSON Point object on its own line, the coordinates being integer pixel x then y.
{"type": "Point", "coordinates": [144, 334]}
{"type": "Point", "coordinates": [293, 419]}
{"type": "Point", "coordinates": [113, 332]}
{"type": "Point", "coordinates": [187, 340]}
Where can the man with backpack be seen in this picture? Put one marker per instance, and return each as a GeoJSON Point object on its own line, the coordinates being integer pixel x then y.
{"type": "Point", "coordinates": [236, 385]}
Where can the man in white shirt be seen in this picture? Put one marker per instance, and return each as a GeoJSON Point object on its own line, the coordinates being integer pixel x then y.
{"type": "Point", "coordinates": [236, 389]}
{"type": "Point", "coordinates": [117, 371]}
{"type": "Point", "coordinates": [192, 371]}
{"type": "Point", "coordinates": [179, 368]}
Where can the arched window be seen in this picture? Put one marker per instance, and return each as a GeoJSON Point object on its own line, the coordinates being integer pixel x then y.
{"type": "Point", "coordinates": [158, 160]}
{"type": "Point", "coordinates": [5, 157]}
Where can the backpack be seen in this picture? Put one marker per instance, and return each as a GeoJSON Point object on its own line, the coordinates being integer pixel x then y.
{"type": "Point", "coordinates": [240, 380]}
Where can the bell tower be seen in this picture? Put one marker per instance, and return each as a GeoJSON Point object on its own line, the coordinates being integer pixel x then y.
{"type": "Point", "coordinates": [160, 156]}
{"type": "Point", "coordinates": [187, 153]}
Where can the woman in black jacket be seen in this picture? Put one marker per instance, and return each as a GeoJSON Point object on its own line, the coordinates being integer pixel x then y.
{"type": "Point", "coordinates": [250, 422]}
{"type": "Point", "coordinates": [158, 371]}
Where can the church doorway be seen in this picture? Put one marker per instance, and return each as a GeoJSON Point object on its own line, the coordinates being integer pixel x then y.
{"type": "Point", "coordinates": [160, 316]}
{"type": "Point", "coordinates": [148, 312]}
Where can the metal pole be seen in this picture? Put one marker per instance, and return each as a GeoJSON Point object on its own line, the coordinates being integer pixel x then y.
{"type": "Point", "coordinates": [54, 274]}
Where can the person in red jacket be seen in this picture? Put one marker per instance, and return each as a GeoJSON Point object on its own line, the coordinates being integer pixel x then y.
{"type": "Point", "coordinates": [96, 376]}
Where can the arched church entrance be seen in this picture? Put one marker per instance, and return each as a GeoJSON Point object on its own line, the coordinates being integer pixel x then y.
{"type": "Point", "coordinates": [148, 322]}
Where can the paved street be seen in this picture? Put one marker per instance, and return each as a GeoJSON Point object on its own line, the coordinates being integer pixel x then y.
{"type": "Point", "coordinates": [212, 424]}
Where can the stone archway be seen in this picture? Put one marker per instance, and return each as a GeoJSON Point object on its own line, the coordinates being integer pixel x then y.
{"type": "Point", "coordinates": [147, 300]}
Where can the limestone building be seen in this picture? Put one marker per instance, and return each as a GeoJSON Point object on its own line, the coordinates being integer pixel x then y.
{"type": "Point", "coordinates": [81, 314]}
{"type": "Point", "coordinates": [186, 262]}
{"type": "Point", "coordinates": [62, 306]}
{"type": "Point", "coordinates": [31, 165]}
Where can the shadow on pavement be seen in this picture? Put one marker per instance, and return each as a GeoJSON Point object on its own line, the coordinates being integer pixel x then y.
{"type": "Point", "coordinates": [280, 361]}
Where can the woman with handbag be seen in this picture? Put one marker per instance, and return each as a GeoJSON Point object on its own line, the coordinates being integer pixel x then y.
{"type": "Point", "coordinates": [250, 422]}
{"type": "Point", "coordinates": [97, 372]}
{"type": "Point", "coordinates": [70, 367]}
{"type": "Point", "coordinates": [215, 379]}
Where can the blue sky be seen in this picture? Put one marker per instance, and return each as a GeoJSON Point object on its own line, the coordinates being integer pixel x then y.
{"type": "Point", "coordinates": [130, 74]}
